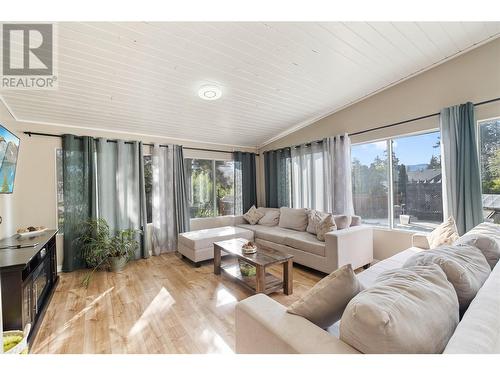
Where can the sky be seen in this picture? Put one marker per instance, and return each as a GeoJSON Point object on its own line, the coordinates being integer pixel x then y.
{"type": "Point", "coordinates": [409, 150]}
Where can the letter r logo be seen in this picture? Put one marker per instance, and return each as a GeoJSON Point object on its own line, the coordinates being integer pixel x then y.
{"type": "Point", "coordinates": [27, 49]}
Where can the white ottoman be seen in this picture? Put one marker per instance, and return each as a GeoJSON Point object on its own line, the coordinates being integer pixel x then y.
{"type": "Point", "coordinates": [198, 245]}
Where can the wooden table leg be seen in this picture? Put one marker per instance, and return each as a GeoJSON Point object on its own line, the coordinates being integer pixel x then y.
{"type": "Point", "coordinates": [288, 277]}
{"type": "Point", "coordinates": [260, 279]}
{"type": "Point", "coordinates": [217, 257]}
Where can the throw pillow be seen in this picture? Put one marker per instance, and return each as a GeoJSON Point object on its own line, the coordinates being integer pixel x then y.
{"type": "Point", "coordinates": [293, 218]}
{"type": "Point", "coordinates": [325, 302]}
{"type": "Point", "coordinates": [326, 225]}
{"type": "Point", "coordinates": [355, 220]}
{"type": "Point", "coordinates": [465, 267]}
{"type": "Point", "coordinates": [314, 217]}
{"type": "Point", "coordinates": [271, 216]}
{"type": "Point", "coordinates": [445, 234]}
{"type": "Point", "coordinates": [406, 311]}
{"type": "Point", "coordinates": [487, 245]}
{"type": "Point", "coordinates": [253, 215]}
{"type": "Point", "coordinates": [342, 221]}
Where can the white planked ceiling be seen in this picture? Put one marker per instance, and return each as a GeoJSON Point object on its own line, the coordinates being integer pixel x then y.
{"type": "Point", "coordinates": [143, 77]}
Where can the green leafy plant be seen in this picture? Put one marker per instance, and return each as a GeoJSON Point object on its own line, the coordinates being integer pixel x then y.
{"type": "Point", "coordinates": [97, 245]}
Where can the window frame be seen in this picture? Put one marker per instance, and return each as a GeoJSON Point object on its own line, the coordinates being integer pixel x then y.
{"type": "Point", "coordinates": [390, 173]}
{"type": "Point", "coordinates": [214, 181]}
{"type": "Point", "coordinates": [478, 147]}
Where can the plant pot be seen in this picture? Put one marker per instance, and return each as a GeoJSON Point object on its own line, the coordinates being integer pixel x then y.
{"type": "Point", "coordinates": [117, 264]}
{"type": "Point", "coordinates": [404, 219]}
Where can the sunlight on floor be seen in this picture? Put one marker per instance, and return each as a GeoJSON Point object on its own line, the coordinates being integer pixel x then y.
{"type": "Point", "coordinates": [224, 297]}
{"type": "Point", "coordinates": [159, 305]}
{"type": "Point", "coordinates": [59, 335]}
{"type": "Point", "coordinates": [214, 343]}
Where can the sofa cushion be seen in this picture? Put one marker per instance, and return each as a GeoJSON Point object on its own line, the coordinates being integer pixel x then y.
{"type": "Point", "coordinates": [411, 310]}
{"type": "Point", "coordinates": [314, 217]}
{"type": "Point", "coordinates": [445, 234]}
{"type": "Point", "coordinates": [342, 221]}
{"type": "Point", "coordinates": [306, 242]}
{"type": "Point", "coordinates": [479, 330]}
{"type": "Point", "coordinates": [271, 216]}
{"type": "Point", "coordinates": [293, 218]}
{"type": "Point", "coordinates": [201, 239]}
{"type": "Point", "coordinates": [253, 215]}
{"type": "Point", "coordinates": [465, 267]}
{"type": "Point", "coordinates": [325, 302]}
{"type": "Point", "coordinates": [326, 225]}
{"type": "Point", "coordinates": [272, 234]}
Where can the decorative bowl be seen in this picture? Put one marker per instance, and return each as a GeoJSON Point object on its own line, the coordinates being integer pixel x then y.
{"type": "Point", "coordinates": [246, 269]}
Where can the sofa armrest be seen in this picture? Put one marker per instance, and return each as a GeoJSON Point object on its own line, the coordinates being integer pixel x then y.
{"type": "Point", "coordinates": [264, 327]}
{"type": "Point", "coordinates": [352, 245]}
{"type": "Point", "coordinates": [420, 240]}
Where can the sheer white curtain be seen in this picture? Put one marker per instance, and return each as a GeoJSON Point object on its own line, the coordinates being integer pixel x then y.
{"type": "Point", "coordinates": [338, 177]}
{"type": "Point", "coordinates": [164, 236]}
{"type": "Point", "coordinates": [321, 175]}
{"type": "Point", "coordinates": [308, 176]}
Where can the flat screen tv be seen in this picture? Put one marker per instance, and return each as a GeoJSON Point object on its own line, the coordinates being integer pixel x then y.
{"type": "Point", "coordinates": [9, 147]}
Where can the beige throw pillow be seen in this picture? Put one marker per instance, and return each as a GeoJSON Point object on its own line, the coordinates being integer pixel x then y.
{"type": "Point", "coordinates": [326, 225]}
{"type": "Point", "coordinates": [342, 221]}
{"type": "Point", "coordinates": [314, 217]}
{"type": "Point", "coordinates": [407, 311]}
{"type": "Point", "coordinates": [271, 216]}
{"type": "Point", "coordinates": [293, 218]}
{"type": "Point", "coordinates": [465, 267]}
{"type": "Point", "coordinates": [325, 302]}
{"type": "Point", "coordinates": [489, 246]}
{"type": "Point", "coordinates": [355, 220]}
{"type": "Point", "coordinates": [445, 234]}
{"type": "Point", "coordinates": [253, 215]}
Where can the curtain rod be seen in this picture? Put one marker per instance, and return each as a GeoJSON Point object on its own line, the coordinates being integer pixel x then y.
{"type": "Point", "coordinates": [416, 119]}
{"type": "Point", "coordinates": [389, 125]}
{"type": "Point", "coordinates": [128, 142]}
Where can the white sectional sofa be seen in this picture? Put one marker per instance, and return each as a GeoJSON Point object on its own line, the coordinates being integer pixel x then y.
{"type": "Point", "coordinates": [353, 245]}
{"type": "Point", "coordinates": [264, 326]}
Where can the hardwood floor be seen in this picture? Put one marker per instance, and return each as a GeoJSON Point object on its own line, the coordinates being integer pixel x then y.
{"type": "Point", "coordinates": [158, 305]}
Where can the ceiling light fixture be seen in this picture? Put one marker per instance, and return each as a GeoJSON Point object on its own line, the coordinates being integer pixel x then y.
{"type": "Point", "coordinates": [209, 92]}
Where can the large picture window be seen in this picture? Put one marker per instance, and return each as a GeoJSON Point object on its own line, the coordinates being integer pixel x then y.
{"type": "Point", "coordinates": [370, 176]}
{"type": "Point", "coordinates": [409, 182]}
{"type": "Point", "coordinates": [416, 180]}
{"type": "Point", "coordinates": [211, 187]}
{"type": "Point", "coordinates": [489, 156]}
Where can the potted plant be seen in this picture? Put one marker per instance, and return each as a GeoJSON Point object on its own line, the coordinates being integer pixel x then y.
{"type": "Point", "coordinates": [101, 250]}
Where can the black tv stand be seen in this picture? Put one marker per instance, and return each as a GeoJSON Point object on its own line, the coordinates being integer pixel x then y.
{"type": "Point", "coordinates": [28, 272]}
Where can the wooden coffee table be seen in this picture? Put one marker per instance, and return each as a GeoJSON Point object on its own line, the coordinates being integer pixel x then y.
{"type": "Point", "coordinates": [263, 282]}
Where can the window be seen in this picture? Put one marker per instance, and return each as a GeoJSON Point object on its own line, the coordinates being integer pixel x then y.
{"type": "Point", "coordinates": [148, 182]}
{"type": "Point", "coordinates": [211, 187]}
{"type": "Point", "coordinates": [489, 156]}
{"type": "Point", "coordinates": [416, 182]}
{"type": "Point", "coordinates": [410, 182]}
{"type": "Point", "coordinates": [370, 175]}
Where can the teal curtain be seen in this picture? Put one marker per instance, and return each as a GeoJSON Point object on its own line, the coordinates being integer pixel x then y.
{"type": "Point", "coordinates": [277, 174]}
{"type": "Point", "coordinates": [80, 196]}
{"type": "Point", "coordinates": [121, 188]}
{"type": "Point", "coordinates": [461, 166]}
{"type": "Point", "coordinates": [180, 191]}
{"type": "Point", "coordinates": [245, 179]}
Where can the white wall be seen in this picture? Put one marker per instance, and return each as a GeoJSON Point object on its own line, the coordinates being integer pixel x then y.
{"type": "Point", "coordinates": [474, 76]}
